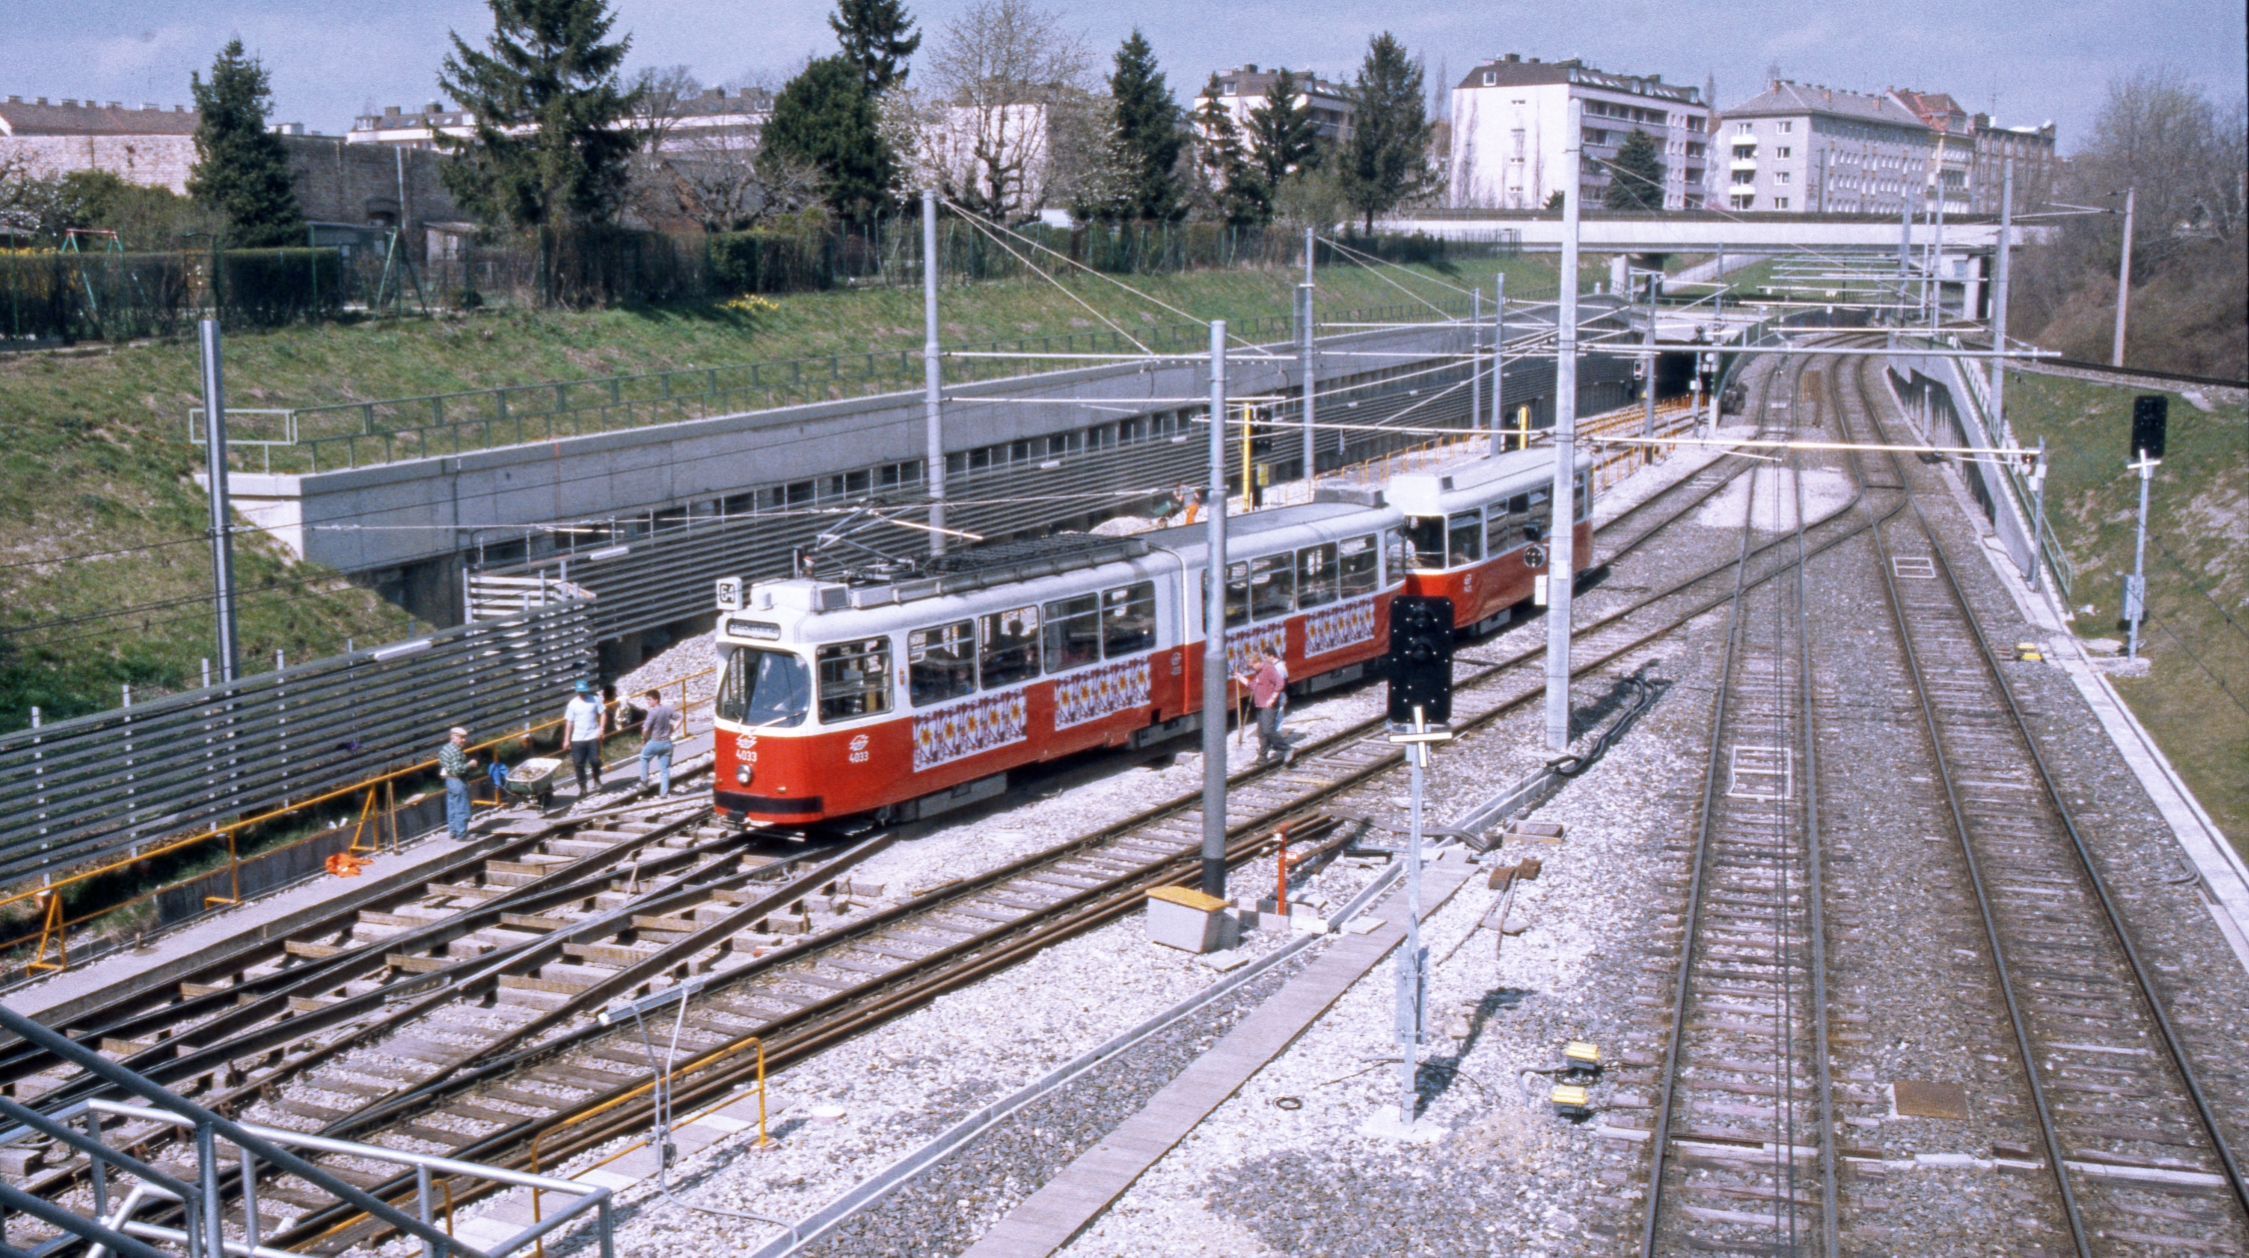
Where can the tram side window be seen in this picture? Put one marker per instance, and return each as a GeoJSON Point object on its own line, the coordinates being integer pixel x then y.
{"type": "Point", "coordinates": [1272, 585]}
{"type": "Point", "coordinates": [1356, 559]}
{"type": "Point", "coordinates": [1073, 633]}
{"type": "Point", "coordinates": [1538, 518]}
{"type": "Point", "coordinates": [1397, 555]}
{"type": "Point", "coordinates": [854, 679]}
{"type": "Point", "coordinates": [1503, 524]}
{"type": "Point", "coordinates": [941, 662]}
{"type": "Point", "coordinates": [1425, 540]}
{"type": "Point", "coordinates": [764, 688]}
{"type": "Point", "coordinates": [1008, 647]}
{"type": "Point", "coordinates": [1316, 576]}
{"type": "Point", "coordinates": [1128, 619]}
{"type": "Point", "coordinates": [1237, 594]}
{"type": "Point", "coordinates": [1583, 503]}
{"type": "Point", "coordinates": [1464, 538]}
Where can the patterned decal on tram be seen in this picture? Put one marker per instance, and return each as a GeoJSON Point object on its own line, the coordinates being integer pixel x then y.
{"type": "Point", "coordinates": [968, 728]}
{"type": "Point", "coordinates": [1333, 628]}
{"type": "Point", "coordinates": [1092, 693]}
{"type": "Point", "coordinates": [1240, 642]}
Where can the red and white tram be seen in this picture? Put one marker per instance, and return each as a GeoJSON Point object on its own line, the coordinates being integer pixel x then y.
{"type": "Point", "coordinates": [904, 698]}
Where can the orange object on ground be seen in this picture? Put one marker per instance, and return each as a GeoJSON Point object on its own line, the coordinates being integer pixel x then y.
{"type": "Point", "coordinates": [345, 865]}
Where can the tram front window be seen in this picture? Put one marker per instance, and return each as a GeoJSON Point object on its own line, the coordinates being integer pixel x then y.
{"type": "Point", "coordinates": [764, 688]}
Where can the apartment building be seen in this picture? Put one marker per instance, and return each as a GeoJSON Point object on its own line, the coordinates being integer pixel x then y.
{"type": "Point", "coordinates": [1246, 88]}
{"type": "Point", "coordinates": [1510, 129]}
{"type": "Point", "coordinates": [1802, 148]}
{"type": "Point", "coordinates": [2032, 149]}
{"type": "Point", "coordinates": [692, 121]}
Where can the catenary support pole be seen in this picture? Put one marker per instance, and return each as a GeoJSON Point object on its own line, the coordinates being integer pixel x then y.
{"type": "Point", "coordinates": [1905, 259]}
{"type": "Point", "coordinates": [2123, 282]}
{"type": "Point", "coordinates": [1413, 959]}
{"type": "Point", "coordinates": [2038, 515]}
{"type": "Point", "coordinates": [2003, 432]}
{"type": "Point", "coordinates": [1475, 354]}
{"type": "Point", "coordinates": [932, 377]}
{"type": "Point", "coordinates": [1311, 445]}
{"type": "Point", "coordinates": [1215, 672]}
{"type": "Point", "coordinates": [1499, 362]}
{"type": "Point", "coordinates": [222, 532]}
{"type": "Point", "coordinates": [1648, 393]}
{"type": "Point", "coordinates": [1560, 557]}
{"type": "Point", "coordinates": [1936, 257]}
{"type": "Point", "coordinates": [2135, 589]}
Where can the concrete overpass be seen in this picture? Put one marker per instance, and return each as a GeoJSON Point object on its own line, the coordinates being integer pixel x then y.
{"type": "Point", "coordinates": [1704, 232]}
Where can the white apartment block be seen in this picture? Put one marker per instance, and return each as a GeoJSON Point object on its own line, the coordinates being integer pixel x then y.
{"type": "Point", "coordinates": [1246, 88]}
{"type": "Point", "coordinates": [694, 120]}
{"type": "Point", "coordinates": [1510, 123]}
{"type": "Point", "coordinates": [1801, 149]}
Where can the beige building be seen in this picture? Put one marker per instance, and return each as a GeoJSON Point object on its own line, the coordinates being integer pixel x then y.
{"type": "Point", "coordinates": [150, 145]}
{"type": "Point", "coordinates": [1805, 149]}
{"type": "Point", "coordinates": [1510, 131]}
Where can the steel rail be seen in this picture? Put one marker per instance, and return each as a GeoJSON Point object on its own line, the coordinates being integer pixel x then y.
{"type": "Point", "coordinates": [1816, 893]}
{"type": "Point", "coordinates": [1652, 1215]}
{"type": "Point", "coordinates": [2174, 1050]}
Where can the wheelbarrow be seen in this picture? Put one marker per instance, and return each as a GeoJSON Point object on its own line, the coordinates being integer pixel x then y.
{"type": "Point", "coordinates": [538, 777]}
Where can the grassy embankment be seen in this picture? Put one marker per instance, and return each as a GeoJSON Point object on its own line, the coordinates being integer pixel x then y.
{"type": "Point", "coordinates": [99, 512]}
{"type": "Point", "coordinates": [2195, 701]}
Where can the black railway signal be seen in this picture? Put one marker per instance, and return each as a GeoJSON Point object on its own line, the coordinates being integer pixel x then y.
{"type": "Point", "coordinates": [1420, 659]}
{"type": "Point", "coordinates": [2150, 414]}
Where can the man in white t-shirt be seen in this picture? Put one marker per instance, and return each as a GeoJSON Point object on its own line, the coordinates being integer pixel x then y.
{"type": "Point", "coordinates": [583, 723]}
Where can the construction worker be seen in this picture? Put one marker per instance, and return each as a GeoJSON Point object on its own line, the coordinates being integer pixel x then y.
{"type": "Point", "coordinates": [584, 722]}
{"type": "Point", "coordinates": [454, 764]}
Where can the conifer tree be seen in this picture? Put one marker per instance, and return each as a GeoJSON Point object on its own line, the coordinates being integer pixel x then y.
{"type": "Point", "coordinates": [1387, 160]}
{"type": "Point", "coordinates": [241, 169]}
{"type": "Point", "coordinates": [1147, 127]}
{"type": "Point", "coordinates": [550, 150]}
{"type": "Point", "coordinates": [1282, 137]}
{"type": "Point", "coordinates": [1636, 176]}
{"type": "Point", "coordinates": [825, 117]}
{"type": "Point", "coordinates": [1223, 163]}
{"type": "Point", "coordinates": [877, 37]}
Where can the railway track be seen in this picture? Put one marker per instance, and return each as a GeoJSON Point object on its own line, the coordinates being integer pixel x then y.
{"type": "Point", "coordinates": [2128, 1127]}
{"type": "Point", "coordinates": [1767, 1101]}
{"type": "Point", "coordinates": [464, 1028]}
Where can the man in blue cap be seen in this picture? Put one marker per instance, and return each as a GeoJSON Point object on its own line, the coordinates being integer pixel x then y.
{"type": "Point", "coordinates": [584, 721]}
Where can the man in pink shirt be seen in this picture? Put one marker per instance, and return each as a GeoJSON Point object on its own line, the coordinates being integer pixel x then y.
{"type": "Point", "coordinates": [1268, 687]}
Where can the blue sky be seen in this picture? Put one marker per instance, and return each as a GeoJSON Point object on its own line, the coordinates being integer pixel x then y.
{"type": "Point", "coordinates": [2036, 59]}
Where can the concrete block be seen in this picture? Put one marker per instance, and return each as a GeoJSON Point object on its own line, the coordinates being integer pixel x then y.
{"type": "Point", "coordinates": [1185, 919]}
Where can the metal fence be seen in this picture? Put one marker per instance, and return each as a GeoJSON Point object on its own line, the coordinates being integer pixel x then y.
{"type": "Point", "coordinates": [342, 435]}
{"type": "Point", "coordinates": [97, 787]}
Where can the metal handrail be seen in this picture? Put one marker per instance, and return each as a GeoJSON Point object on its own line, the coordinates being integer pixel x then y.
{"type": "Point", "coordinates": [175, 1109]}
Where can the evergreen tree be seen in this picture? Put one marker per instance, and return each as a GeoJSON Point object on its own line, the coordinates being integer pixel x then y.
{"type": "Point", "coordinates": [1282, 137]}
{"type": "Point", "coordinates": [877, 36]}
{"type": "Point", "coordinates": [1554, 202]}
{"type": "Point", "coordinates": [1222, 162]}
{"type": "Point", "coordinates": [1387, 160]}
{"type": "Point", "coordinates": [824, 117]}
{"type": "Point", "coordinates": [551, 149]}
{"type": "Point", "coordinates": [241, 169]}
{"type": "Point", "coordinates": [1148, 129]}
{"type": "Point", "coordinates": [1636, 176]}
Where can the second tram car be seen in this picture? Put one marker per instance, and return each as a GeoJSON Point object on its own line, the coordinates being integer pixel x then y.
{"type": "Point", "coordinates": [901, 698]}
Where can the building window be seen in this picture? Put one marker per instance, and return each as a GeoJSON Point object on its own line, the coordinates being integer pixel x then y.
{"type": "Point", "coordinates": [1787, 127]}
{"type": "Point", "coordinates": [1741, 128]}
{"type": "Point", "coordinates": [1226, 89]}
{"type": "Point", "coordinates": [1780, 203]}
{"type": "Point", "coordinates": [1491, 78]}
{"type": "Point", "coordinates": [1780, 176]}
{"type": "Point", "coordinates": [1782, 151]}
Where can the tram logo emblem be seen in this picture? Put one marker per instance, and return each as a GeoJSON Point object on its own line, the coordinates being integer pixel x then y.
{"type": "Point", "coordinates": [745, 742]}
{"type": "Point", "coordinates": [859, 749]}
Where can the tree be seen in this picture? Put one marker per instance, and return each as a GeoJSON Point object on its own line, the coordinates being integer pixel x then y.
{"type": "Point", "coordinates": [825, 119]}
{"type": "Point", "coordinates": [1282, 137]}
{"type": "Point", "coordinates": [241, 170]}
{"type": "Point", "coordinates": [1001, 78]}
{"type": "Point", "coordinates": [1223, 179]}
{"type": "Point", "coordinates": [1555, 201]}
{"type": "Point", "coordinates": [1147, 125]}
{"type": "Point", "coordinates": [552, 144]}
{"type": "Point", "coordinates": [877, 36]}
{"type": "Point", "coordinates": [1387, 160]}
{"type": "Point", "coordinates": [1636, 176]}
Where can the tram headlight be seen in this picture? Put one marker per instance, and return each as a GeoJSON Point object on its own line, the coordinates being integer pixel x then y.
{"type": "Point", "coordinates": [742, 774]}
